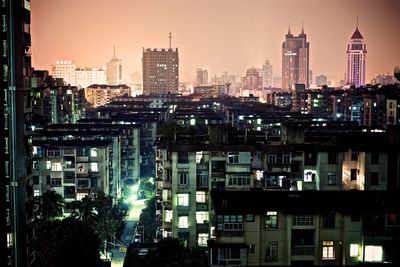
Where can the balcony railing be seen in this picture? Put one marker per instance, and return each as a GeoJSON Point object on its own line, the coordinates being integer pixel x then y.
{"type": "Point", "coordinates": [303, 251]}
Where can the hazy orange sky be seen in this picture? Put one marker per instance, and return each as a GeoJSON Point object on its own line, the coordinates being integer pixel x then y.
{"type": "Point", "coordinates": [219, 35]}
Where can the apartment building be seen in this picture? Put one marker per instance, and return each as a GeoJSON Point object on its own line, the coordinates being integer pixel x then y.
{"type": "Point", "coordinates": [303, 228]}
{"type": "Point", "coordinates": [101, 94]}
{"type": "Point", "coordinates": [73, 168]}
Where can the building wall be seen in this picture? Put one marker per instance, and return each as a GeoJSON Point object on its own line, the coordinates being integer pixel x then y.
{"type": "Point", "coordinates": [160, 71]}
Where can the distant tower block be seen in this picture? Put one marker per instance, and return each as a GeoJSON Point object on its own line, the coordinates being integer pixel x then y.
{"type": "Point", "coordinates": [356, 59]}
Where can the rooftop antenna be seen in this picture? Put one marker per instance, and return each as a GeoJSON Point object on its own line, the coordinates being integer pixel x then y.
{"type": "Point", "coordinates": [357, 23]}
{"type": "Point", "coordinates": [113, 50]}
{"type": "Point", "coordinates": [302, 27]}
{"type": "Point", "coordinates": [289, 29]}
{"type": "Point", "coordinates": [170, 36]}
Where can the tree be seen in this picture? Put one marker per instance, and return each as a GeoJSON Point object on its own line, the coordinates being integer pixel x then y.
{"type": "Point", "coordinates": [49, 205]}
{"type": "Point", "coordinates": [148, 218]}
{"type": "Point", "coordinates": [98, 212]}
{"type": "Point", "coordinates": [66, 243]}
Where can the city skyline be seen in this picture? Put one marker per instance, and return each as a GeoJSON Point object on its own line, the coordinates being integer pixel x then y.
{"type": "Point", "coordinates": [235, 36]}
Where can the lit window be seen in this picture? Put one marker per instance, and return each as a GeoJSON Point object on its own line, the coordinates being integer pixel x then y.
{"type": "Point", "coordinates": [354, 250]}
{"type": "Point", "coordinates": [168, 216]}
{"type": "Point", "coordinates": [48, 165]}
{"type": "Point", "coordinates": [36, 192]}
{"type": "Point", "coordinates": [201, 196]}
{"type": "Point", "coordinates": [80, 196]}
{"type": "Point", "coordinates": [271, 220]}
{"type": "Point", "coordinates": [183, 199]}
{"type": "Point", "coordinates": [328, 251]}
{"type": "Point", "coordinates": [202, 239]}
{"type": "Point", "coordinates": [373, 253]}
{"type": "Point", "coordinates": [56, 167]}
{"type": "Point", "coordinates": [201, 217]}
{"type": "Point", "coordinates": [9, 240]}
{"type": "Point", "coordinates": [94, 167]}
{"type": "Point", "coordinates": [183, 222]}
{"type": "Point", "coordinates": [93, 152]}
{"type": "Point", "coordinates": [309, 175]}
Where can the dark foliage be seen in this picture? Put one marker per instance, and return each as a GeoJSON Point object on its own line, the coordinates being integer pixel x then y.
{"type": "Point", "coordinates": [66, 243]}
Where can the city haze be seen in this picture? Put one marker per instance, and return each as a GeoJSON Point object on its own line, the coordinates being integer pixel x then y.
{"type": "Point", "coordinates": [225, 35]}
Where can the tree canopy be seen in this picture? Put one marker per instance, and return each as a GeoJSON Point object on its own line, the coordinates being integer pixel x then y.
{"type": "Point", "coordinates": [98, 211]}
{"type": "Point", "coordinates": [66, 243]}
{"type": "Point", "coordinates": [49, 206]}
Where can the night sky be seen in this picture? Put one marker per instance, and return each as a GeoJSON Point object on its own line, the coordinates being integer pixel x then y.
{"type": "Point", "coordinates": [222, 35]}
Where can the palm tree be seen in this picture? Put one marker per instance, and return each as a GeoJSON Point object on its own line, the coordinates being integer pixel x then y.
{"type": "Point", "coordinates": [50, 205]}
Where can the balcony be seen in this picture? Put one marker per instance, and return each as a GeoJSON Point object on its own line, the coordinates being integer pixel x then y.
{"type": "Point", "coordinates": [303, 250]}
{"type": "Point", "coordinates": [82, 159]}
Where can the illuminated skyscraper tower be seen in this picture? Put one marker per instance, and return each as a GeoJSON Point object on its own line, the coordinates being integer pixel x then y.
{"type": "Point", "coordinates": [295, 60]}
{"type": "Point", "coordinates": [160, 70]}
{"type": "Point", "coordinates": [356, 59]}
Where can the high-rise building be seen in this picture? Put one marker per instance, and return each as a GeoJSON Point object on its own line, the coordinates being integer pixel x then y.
{"type": "Point", "coordinates": [267, 74]}
{"type": "Point", "coordinates": [88, 76]}
{"type": "Point", "coordinates": [64, 69]}
{"type": "Point", "coordinates": [321, 80]}
{"type": "Point", "coordinates": [15, 107]}
{"type": "Point", "coordinates": [82, 77]}
{"type": "Point", "coordinates": [201, 77]}
{"type": "Point", "coordinates": [356, 59]}
{"type": "Point", "coordinates": [252, 80]}
{"type": "Point", "coordinates": [295, 60]}
{"type": "Point", "coordinates": [114, 71]}
{"type": "Point", "coordinates": [160, 70]}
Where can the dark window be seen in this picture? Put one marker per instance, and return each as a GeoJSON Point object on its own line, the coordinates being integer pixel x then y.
{"type": "Point", "coordinates": [375, 158]}
{"type": "Point", "coordinates": [250, 218]}
{"type": "Point", "coordinates": [328, 220]}
{"type": "Point", "coordinates": [332, 158]}
{"type": "Point", "coordinates": [353, 174]}
{"type": "Point", "coordinates": [354, 155]}
{"type": "Point", "coordinates": [355, 218]}
{"type": "Point", "coordinates": [183, 157]}
{"type": "Point", "coordinates": [374, 178]}
{"type": "Point", "coordinates": [331, 178]}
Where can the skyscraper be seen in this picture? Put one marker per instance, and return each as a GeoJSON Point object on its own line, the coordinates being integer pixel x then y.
{"type": "Point", "coordinates": [356, 59]}
{"type": "Point", "coordinates": [114, 70]}
{"type": "Point", "coordinates": [15, 159]}
{"type": "Point", "coordinates": [295, 60]}
{"type": "Point", "coordinates": [160, 70]}
{"type": "Point", "coordinates": [201, 77]}
{"type": "Point", "coordinates": [267, 74]}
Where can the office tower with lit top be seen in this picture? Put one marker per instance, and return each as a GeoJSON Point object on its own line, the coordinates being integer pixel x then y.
{"type": "Point", "coordinates": [160, 70]}
{"type": "Point", "coordinates": [356, 59]}
{"type": "Point", "coordinates": [295, 60]}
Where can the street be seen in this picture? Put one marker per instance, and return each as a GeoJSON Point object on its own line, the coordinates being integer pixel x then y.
{"type": "Point", "coordinates": [131, 221]}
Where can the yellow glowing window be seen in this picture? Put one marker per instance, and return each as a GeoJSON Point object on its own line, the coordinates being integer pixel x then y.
{"type": "Point", "coordinates": [354, 250]}
{"type": "Point", "coordinates": [373, 253]}
{"type": "Point", "coordinates": [328, 251]}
